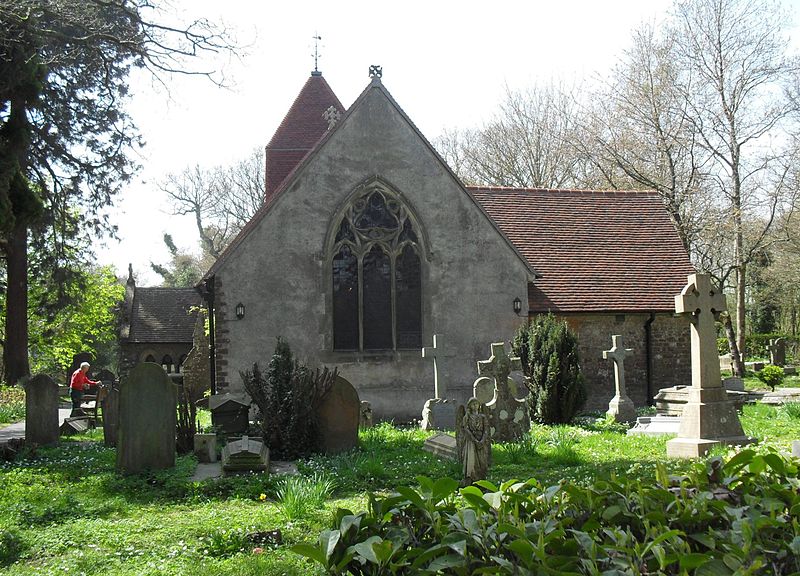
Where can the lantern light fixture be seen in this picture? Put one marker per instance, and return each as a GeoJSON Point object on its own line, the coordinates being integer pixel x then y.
{"type": "Point", "coordinates": [240, 310]}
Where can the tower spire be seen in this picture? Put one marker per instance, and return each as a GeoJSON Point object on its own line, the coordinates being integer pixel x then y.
{"type": "Point", "coordinates": [316, 71]}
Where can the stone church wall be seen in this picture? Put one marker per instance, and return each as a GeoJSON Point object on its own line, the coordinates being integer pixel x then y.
{"type": "Point", "coordinates": [670, 354]}
{"type": "Point", "coordinates": [281, 271]}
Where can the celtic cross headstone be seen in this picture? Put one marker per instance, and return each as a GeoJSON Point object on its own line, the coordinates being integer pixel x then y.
{"type": "Point", "coordinates": [508, 414]}
{"type": "Point", "coordinates": [708, 417]}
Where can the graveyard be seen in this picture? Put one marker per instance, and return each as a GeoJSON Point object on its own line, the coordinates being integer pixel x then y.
{"type": "Point", "coordinates": [560, 337]}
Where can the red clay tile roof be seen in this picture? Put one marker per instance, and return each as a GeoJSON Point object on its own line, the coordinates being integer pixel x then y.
{"type": "Point", "coordinates": [593, 251]}
{"type": "Point", "coordinates": [301, 129]}
{"type": "Point", "coordinates": [163, 314]}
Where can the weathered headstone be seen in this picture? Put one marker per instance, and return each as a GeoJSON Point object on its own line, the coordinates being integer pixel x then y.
{"type": "Point", "coordinates": [708, 418]}
{"type": "Point", "coordinates": [110, 407]}
{"type": "Point", "coordinates": [777, 352]}
{"type": "Point", "coordinates": [338, 417]}
{"type": "Point", "coordinates": [621, 406]}
{"type": "Point", "coordinates": [439, 411]}
{"type": "Point", "coordinates": [365, 415]}
{"type": "Point", "coordinates": [41, 410]}
{"type": "Point", "coordinates": [75, 425]}
{"type": "Point", "coordinates": [508, 414]}
{"type": "Point", "coordinates": [726, 362]}
{"type": "Point", "coordinates": [796, 448]}
{"type": "Point", "coordinates": [147, 420]}
{"type": "Point", "coordinates": [442, 445]}
{"type": "Point", "coordinates": [245, 454]}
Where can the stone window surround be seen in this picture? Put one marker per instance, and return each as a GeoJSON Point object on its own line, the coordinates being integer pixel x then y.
{"type": "Point", "coordinates": [373, 183]}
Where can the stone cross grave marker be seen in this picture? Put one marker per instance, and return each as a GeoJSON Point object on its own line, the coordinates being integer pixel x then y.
{"type": "Point", "coordinates": [777, 352]}
{"type": "Point", "coordinates": [41, 411]}
{"type": "Point", "coordinates": [621, 406]}
{"type": "Point", "coordinates": [508, 415]}
{"type": "Point", "coordinates": [708, 418]}
{"type": "Point", "coordinates": [439, 411]}
{"type": "Point", "coordinates": [147, 420]}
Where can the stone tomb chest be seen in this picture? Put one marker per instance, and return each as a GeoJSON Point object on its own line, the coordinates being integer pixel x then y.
{"type": "Point", "coordinates": [229, 412]}
{"type": "Point", "coordinates": [245, 454]}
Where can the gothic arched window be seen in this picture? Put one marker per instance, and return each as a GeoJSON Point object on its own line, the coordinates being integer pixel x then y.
{"type": "Point", "coordinates": [377, 277]}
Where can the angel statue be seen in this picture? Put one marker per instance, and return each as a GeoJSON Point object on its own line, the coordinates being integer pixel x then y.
{"type": "Point", "coordinates": [474, 441]}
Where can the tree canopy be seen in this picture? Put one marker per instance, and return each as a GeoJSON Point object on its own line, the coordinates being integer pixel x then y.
{"type": "Point", "coordinates": [66, 143]}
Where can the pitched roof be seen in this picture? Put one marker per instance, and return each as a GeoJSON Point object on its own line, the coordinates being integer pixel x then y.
{"type": "Point", "coordinates": [300, 130]}
{"type": "Point", "coordinates": [375, 84]}
{"type": "Point", "coordinates": [593, 251]}
{"type": "Point", "coordinates": [163, 314]}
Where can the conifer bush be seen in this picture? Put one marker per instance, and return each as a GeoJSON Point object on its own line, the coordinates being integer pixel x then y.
{"type": "Point", "coordinates": [288, 397]}
{"type": "Point", "coordinates": [548, 350]}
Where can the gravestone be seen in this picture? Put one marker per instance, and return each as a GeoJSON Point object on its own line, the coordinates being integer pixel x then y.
{"type": "Point", "coordinates": [657, 425]}
{"type": "Point", "coordinates": [796, 448]}
{"type": "Point", "coordinates": [726, 362]}
{"type": "Point", "coordinates": [110, 406]}
{"type": "Point", "coordinates": [777, 352]}
{"type": "Point", "coordinates": [147, 420]}
{"type": "Point", "coordinates": [41, 411]}
{"type": "Point", "coordinates": [75, 425]}
{"type": "Point", "coordinates": [439, 411]}
{"type": "Point", "coordinates": [442, 445]}
{"type": "Point", "coordinates": [508, 414]}
{"type": "Point", "coordinates": [338, 417]}
{"type": "Point", "coordinates": [365, 415]}
{"type": "Point", "coordinates": [708, 417]}
{"type": "Point", "coordinates": [473, 441]}
{"type": "Point", "coordinates": [245, 455]}
{"type": "Point", "coordinates": [621, 406]}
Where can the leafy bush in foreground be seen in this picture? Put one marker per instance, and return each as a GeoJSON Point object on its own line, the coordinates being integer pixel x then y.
{"type": "Point", "coordinates": [739, 517]}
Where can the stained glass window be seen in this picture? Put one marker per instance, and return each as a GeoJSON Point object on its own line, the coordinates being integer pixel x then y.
{"type": "Point", "coordinates": [377, 276]}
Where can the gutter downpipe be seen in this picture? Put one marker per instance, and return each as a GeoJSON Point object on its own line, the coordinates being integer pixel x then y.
{"type": "Point", "coordinates": [648, 345]}
{"type": "Point", "coordinates": [208, 294]}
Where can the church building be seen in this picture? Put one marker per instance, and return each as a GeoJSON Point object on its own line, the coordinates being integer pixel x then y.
{"type": "Point", "coordinates": [368, 244]}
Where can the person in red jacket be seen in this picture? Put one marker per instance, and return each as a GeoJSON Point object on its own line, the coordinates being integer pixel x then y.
{"type": "Point", "coordinates": [78, 384]}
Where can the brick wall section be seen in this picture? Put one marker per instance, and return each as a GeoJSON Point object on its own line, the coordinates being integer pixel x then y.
{"type": "Point", "coordinates": [671, 361]}
{"type": "Point", "coordinates": [222, 336]}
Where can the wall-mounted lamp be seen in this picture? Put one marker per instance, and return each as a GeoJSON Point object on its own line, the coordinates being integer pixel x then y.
{"type": "Point", "coordinates": [240, 310]}
{"type": "Point", "coordinates": [517, 306]}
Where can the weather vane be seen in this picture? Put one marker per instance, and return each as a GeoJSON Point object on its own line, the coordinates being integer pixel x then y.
{"type": "Point", "coordinates": [316, 38]}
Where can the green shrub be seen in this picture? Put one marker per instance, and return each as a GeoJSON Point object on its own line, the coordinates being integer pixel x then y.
{"type": "Point", "coordinates": [11, 546]}
{"type": "Point", "coordinates": [290, 395]}
{"type": "Point", "coordinates": [548, 350]}
{"type": "Point", "coordinates": [739, 517]}
{"type": "Point", "coordinates": [12, 403]}
{"type": "Point", "coordinates": [772, 376]}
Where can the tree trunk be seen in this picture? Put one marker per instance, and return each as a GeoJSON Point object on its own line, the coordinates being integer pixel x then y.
{"type": "Point", "coordinates": [736, 358]}
{"type": "Point", "coordinates": [15, 351]}
{"type": "Point", "coordinates": [740, 310]}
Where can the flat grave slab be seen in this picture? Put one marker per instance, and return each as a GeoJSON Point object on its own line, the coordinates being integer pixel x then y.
{"type": "Point", "coordinates": [442, 445]}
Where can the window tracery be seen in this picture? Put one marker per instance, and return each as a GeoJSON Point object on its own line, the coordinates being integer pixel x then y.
{"type": "Point", "coordinates": [377, 280]}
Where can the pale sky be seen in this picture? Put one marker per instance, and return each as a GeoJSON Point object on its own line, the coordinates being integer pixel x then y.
{"type": "Point", "coordinates": [447, 64]}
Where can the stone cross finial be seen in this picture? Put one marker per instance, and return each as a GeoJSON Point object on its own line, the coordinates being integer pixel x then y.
{"type": "Point", "coordinates": [439, 389]}
{"type": "Point", "coordinates": [702, 303]}
{"type": "Point", "coordinates": [507, 413]}
{"type": "Point", "coordinates": [331, 116]}
{"type": "Point", "coordinates": [777, 351]}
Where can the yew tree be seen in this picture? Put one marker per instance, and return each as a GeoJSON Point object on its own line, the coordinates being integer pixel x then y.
{"type": "Point", "coordinates": [66, 142]}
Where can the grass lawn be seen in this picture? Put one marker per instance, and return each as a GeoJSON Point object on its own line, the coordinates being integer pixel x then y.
{"type": "Point", "coordinates": [65, 510]}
